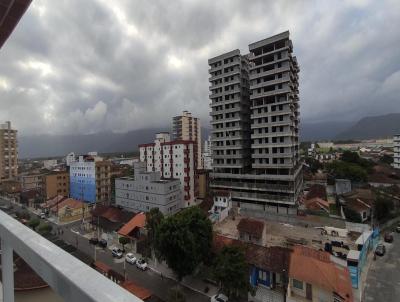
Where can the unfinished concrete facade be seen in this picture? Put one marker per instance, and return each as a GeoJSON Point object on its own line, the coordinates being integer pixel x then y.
{"type": "Point", "coordinates": [8, 152]}
{"type": "Point", "coordinates": [255, 121]}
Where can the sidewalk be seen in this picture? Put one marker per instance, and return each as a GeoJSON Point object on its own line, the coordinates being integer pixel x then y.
{"type": "Point", "coordinates": [190, 282]}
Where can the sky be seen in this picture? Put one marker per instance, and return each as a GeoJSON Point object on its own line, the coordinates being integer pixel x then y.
{"type": "Point", "coordinates": [79, 67]}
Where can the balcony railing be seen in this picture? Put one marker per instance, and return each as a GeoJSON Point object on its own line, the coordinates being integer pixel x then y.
{"type": "Point", "coordinates": [70, 278]}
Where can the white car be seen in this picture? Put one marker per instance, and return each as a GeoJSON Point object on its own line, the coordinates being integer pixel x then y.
{"type": "Point", "coordinates": [130, 258]}
{"type": "Point", "coordinates": [141, 264]}
{"type": "Point", "coordinates": [43, 215]}
{"type": "Point", "coordinates": [219, 298]}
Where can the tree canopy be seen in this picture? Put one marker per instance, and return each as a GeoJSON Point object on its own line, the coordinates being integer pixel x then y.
{"type": "Point", "coordinates": [231, 271]}
{"type": "Point", "coordinates": [352, 215]}
{"type": "Point", "coordinates": [341, 169]}
{"type": "Point", "coordinates": [184, 240]}
{"type": "Point", "coordinates": [383, 206]}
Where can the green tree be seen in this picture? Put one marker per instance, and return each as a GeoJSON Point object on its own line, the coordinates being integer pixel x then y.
{"type": "Point", "coordinates": [341, 169]}
{"type": "Point", "coordinates": [44, 228]}
{"type": "Point", "coordinates": [383, 207]}
{"type": "Point", "coordinates": [184, 240]}
{"type": "Point", "coordinates": [352, 215]}
{"type": "Point", "coordinates": [33, 223]}
{"type": "Point", "coordinates": [231, 271]}
{"type": "Point", "coordinates": [123, 241]}
{"type": "Point", "coordinates": [153, 220]}
{"type": "Point", "coordinates": [314, 164]}
{"type": "Point", "coordinates": [175, 295]}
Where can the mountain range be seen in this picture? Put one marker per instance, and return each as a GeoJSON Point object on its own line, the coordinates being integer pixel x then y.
{"type": "Point", "coordinates": [107, 142]}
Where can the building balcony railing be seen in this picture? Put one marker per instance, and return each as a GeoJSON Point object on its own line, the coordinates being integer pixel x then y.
{"type": "Point", "coordinates": [255, 186]}
{"type": "Point", "coordinates": [70, 278]}
{"type": "Point", "coordinates": [264, 197]}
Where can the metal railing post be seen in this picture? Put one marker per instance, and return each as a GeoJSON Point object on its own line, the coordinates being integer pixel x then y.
{"type": "Point", "coordinates": [7, 267]}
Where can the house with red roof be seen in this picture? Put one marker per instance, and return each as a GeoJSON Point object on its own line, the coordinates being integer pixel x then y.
{"type": "Point", "coordinates": [314, 277]}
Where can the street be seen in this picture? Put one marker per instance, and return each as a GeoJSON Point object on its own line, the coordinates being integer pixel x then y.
{"type": "Point", "coordinates": [383, 280]}
{"type": "Point", "coordinates": [148, 279]}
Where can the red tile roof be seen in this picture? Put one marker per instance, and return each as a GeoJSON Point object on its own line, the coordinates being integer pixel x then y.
{"type": "Point", "coordinates": [251, 226]}
{"type": "Point", "coordinates": [315, 267]}
{"type": "Point", "coordinates": [317, 191]}
{"type": "Point", "coordinates": [68, 202]}
{"type": "Point", "coordinates": [274, 259]}
{"type": "Point", "coordinates": [112, 214]}
{"type": "Point", "coordinates": [317, 204]}
{"type": "Point", "coordinates": [140, 292]}
{"type": "Point", "coordinates": [139, 221]}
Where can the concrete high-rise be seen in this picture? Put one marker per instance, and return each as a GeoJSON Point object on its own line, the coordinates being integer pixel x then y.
{"type": "Point", "coordinates": [186, 127]}
{"type": "Point", "coordinates": [255, 121]}
{"type": "Point", "coordinates": [8, 152]}
{"type": "Point", "coordinates": [396, 151]}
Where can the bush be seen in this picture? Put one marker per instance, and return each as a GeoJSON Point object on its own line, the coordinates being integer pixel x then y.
{"type": "Point", "coordinates": [44, 228]}
{"type": "Point", "coordinates": [33, 223]}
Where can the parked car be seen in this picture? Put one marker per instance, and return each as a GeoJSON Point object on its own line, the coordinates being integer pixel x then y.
{"type": "Point", "coordinates": [43, 215]}
{"type": "Point", "coordinates": [398, 228]}
{"type": "Point", "coordinates": [130, 258]}
{"type": "Point", "coordinates": [380, 250]}
{"type": "Point", "coordinates": [103, 243]}
{"type": "Point", "coordinates": [94, 240]}
{"type": "Point", "coordinates": [219, 298]}
{"type": "Point", "coordinates": [388, 238]}
{"type": "Point", "coordinates": [117, 252]}
{"type": "Point", "coordinates": [141, 264]}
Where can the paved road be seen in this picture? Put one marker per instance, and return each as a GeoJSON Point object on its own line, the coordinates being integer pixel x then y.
{"type": "Point", "coordinates": [383, 280]}
{"type": "Point", "coordinates": [148, 279]}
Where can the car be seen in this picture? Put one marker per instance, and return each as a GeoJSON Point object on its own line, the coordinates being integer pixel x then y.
{"type": "Point", "coordinates": [117, 252]}
{"type": "Point", "coordinates": [141, 264]}
{"type": "Point", "coordinates": [398, 229]}
{"type": "Point", "coordinates": [219, 298]}
{"type": "Point", "coordinates": [103, 243]}
{"type": "Point", "coordinates": [130, 258]}
{"type": "Point", "coordinates": [42, 215]}
{"type": "Point", "coordinates": [94, 240]}
{"type": "Point", "coordinates": [388, 238]}
{"type": "Point", "coordinates": [380, 250]}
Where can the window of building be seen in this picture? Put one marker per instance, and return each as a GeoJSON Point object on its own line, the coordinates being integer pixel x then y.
{"type": "Point", "coordinates": [297, 284]}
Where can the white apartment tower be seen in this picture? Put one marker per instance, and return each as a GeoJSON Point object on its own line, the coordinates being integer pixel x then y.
{"type": "Point", "coordinates": [174, 159]}
{"type": "Point", "coordinates": [188, 128]}
{"type": "Point", "coordinates": [8, 152]}
{"type": "Point", "coordinates": [255, 120]}
{"type": "Point", "coordinates": [396, 151]}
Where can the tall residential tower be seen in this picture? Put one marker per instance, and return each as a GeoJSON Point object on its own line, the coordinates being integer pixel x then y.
{"type": "Point", "coordinates": [8, 152]}
{"type": "Point", "coordinates": [186, 127]}
{"type": "Point", "coordinates": [396, 151]}
{"type": "Point", "coordinates": [255, 121]}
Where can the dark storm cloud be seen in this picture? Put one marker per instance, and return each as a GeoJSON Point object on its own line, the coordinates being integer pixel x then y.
{"type": "Point", "coordinates": [89, 66]}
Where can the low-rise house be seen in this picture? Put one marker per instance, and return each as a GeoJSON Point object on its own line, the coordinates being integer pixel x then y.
{"type": "Point", "coordinates": [134, 228]}
{"type": "Point", "coordinates": [109, 219]}
{"type": "Point", "coordinates": [70, 209]}
{"type": "Point", "coordinates": [314, 277]}
{"type": "Point", "coordinates": [222, 204]}
{"type": "Point", "coordinates": [250, 230]}
{"type": "Point", "coordinates": [317, 205]}
{"type": "Point", "coordinates": [360, 201]}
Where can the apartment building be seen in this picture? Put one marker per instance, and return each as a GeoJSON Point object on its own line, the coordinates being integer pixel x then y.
{"type": "Point", "coordinates": [186, 127]}
{"type": "Point", "coordinates": [90, 179]}
{"type": "Point", "coordinates": [255, 126]}
{"type": "Point", "coordinates": [56, 183]}
{"type": "Point", "coordinates": [32, 181]}
{"type": "Point", "coordinates": [8, 152]}
{"type": "Point", "coordinates": [174, 159]}
{"type": "Point", "coordinates": [396, 151]}
{"type": "Point", "coordinates": [206, 155]}
{"type": "Point", "coordinates": [147, 190]}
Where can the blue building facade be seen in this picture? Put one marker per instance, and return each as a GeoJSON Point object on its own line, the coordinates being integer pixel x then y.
{"type": "Point", "coordinates": [83, 180]}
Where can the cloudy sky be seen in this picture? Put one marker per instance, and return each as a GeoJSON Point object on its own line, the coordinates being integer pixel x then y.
{"type": "Point", "coordinates": [86, 66]}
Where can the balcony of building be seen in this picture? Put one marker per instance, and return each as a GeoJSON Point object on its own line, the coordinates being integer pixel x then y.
{"type": "Point", "coordinates": [70, 278]}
